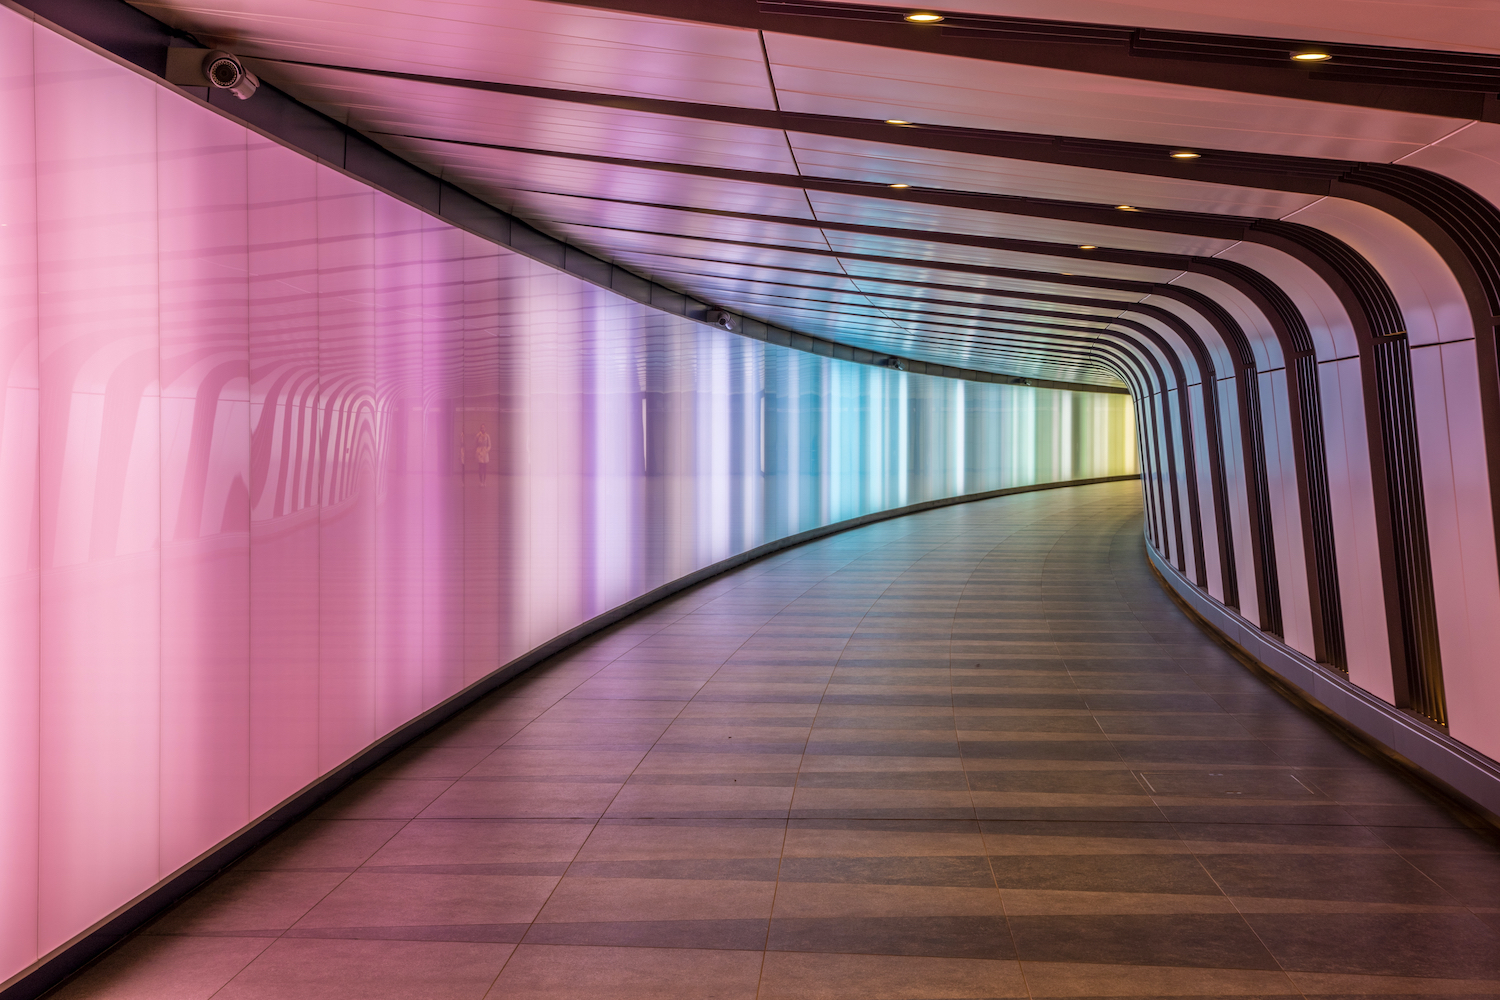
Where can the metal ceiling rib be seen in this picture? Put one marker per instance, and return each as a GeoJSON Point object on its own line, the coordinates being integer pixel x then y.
{"type": "Point", "coordinates": [1408, 23]}
{"type": "Point", "coordinates": [741, 152]}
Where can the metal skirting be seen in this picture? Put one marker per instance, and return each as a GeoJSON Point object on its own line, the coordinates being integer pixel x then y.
{"type": "Point", "coordinates": [1457, 771]}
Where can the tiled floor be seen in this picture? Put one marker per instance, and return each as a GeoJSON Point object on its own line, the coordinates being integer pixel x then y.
{"type": "Point", "coordinates": [975, 752]}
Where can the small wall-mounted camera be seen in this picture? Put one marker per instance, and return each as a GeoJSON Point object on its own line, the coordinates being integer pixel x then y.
{"type": "Point", "coordinates": [894, 364]}
{"type": "Point", "coordinates": [721, 319]}
{"type": "Point", "coordinates": [210, 68]}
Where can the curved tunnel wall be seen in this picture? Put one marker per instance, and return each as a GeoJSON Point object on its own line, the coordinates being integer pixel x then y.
{"type": "Point", "coordinates": [248, 528]}
{"type": "Point", "coordinates": [1319, 455]}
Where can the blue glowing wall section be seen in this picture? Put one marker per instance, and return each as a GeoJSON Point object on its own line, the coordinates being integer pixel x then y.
{"type": "Point", "coordinates": [285, 462]}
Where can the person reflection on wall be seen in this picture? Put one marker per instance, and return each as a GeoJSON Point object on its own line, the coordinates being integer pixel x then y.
{"type": "Point", "coordinates": [482, 452]}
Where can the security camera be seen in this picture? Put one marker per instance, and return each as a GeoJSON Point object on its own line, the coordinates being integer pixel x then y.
{"type": "Point", "coordinates": [895, 364]}
{"type": "Point", "coordinates": [225, 72]}
{"type": "Point", "coordinates": [721, 319]}
{"type": "Point", "coordinates": [210, 68]}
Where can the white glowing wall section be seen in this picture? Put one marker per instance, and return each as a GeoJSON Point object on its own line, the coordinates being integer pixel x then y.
{"type": "Point", "coordinates": [246, 525]}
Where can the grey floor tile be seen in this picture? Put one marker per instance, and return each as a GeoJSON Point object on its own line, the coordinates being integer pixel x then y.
{"type": "Point", "coordinates": [974, 753]}
{"type": "Point", "coordinates": [1436, 945]}
{"type": "Point", "coordinates": [165, 968]}
{"type": "Point", "coordinates": [1363, 877]}
{"type": "Point", "coordinates": [1204, 940]}
{"type": "Point", "coordinates": [333, 969]}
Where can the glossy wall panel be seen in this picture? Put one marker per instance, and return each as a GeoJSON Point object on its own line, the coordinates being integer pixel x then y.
{"type": "Point", "coordinates": [20, 595]}
{"type": "Point", "coordinates": [287, 461]}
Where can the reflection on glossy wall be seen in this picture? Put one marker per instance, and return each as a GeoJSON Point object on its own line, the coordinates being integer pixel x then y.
{"type": "Point", "coordinates": [284, 462]}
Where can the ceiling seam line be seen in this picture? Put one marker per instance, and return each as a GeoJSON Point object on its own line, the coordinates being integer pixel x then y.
{"type": "Point", "coordinates": [786, 137]}
{"type": "Point", "coordinates": [1438, 141]}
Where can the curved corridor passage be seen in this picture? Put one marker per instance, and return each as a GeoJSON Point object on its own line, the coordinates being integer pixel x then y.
{"type": "Point", "coordinates": [973, 752]}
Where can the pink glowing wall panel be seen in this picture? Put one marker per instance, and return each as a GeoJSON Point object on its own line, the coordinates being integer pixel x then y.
{"type": "Point", "coordinates": [285, 462]}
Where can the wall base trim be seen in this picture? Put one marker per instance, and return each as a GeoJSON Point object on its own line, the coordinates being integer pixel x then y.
{"type": "Point", "coordinates": [1457, 772]}
{"type": "Point", "coordinates": [70, 958]}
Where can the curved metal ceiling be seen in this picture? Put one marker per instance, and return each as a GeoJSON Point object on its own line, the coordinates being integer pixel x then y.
{"type": "Point", "coordinates": [995, 192]}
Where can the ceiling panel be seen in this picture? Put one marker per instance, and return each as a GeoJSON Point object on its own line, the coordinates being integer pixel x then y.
{"type": "Point", "coordinates": [918, 252]}
{"type": "Point", "coordinates": [832, 156]}
{"type": "Point", "coordinates": [568, 211]}
{"type": "Point", "coordinates": [854, 323]}
{"type": "Point", "coordinates": [510, 41]}
{"type": "Point", "coordinates": [878, 290]}
{"type": "Point", "coordinates": [726, 275]}
{"type": "Point", "coordinates": [917, 272]}
{"type": "Point", "coordinates": [904, 313]}
{"type": "Point", "coordinates": [818, 297]}
{"type": "Point", "coordinates": [744, 255]}
{"type": "Point", "coordinates": [817, 76]}
{"type": "Point", "coordinates": [1013, 352]}
{"type": "Point", "coordinates": [917, 311]}
{"type": "Point", "coordinates": [710, 274]}
{"type": "Point", "coordinates": [1412, 23]}
{"type": "Point", "coordinates": [383, 104]}
{"type": "Point", "coordinates": [943, 219]}
{"type": "Point", "coordinates": [525, 173]}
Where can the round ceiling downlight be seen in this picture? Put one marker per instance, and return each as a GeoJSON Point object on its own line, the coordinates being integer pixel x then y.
{"type": "Point", "coordinates": [924, 17]}
{"type": "Point", "coordinates": [1185, 154]}
{"type": "Point", "coordinates": [1311, 56]}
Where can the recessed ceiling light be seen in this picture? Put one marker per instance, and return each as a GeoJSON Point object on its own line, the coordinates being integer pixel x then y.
{"type": "Point", "coordinates": [1183, 154]}
{"type": "Point", "coordinates": [924, 17]}
{"type": "Point", "coordinates": [898, 186]}
{"type": "Point", "coordinates": [1127, 208]}
{"type": "Point", "coordinates": [1311, 55]}
{"type": "Point", "coordinates": [896, 121]}
{"type": "Point", "coordinates": [1088, 246]}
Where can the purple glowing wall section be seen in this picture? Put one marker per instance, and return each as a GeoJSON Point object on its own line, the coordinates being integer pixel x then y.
{"type": "Point", "coordinates": [284, 462]}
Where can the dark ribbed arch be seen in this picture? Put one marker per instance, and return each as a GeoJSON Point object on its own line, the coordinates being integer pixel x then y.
{"type": "Point", "coordinates": [1305, 399]}
{"type": "Point", "coordinates": [1395, 459]}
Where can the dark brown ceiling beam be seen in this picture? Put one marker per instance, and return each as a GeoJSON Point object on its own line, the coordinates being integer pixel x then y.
{"type": "Point", "coordinates": [1001, 337]}
{"type": "Point", "coordinates": [1419, 81]}
{"type": "Point", "coordinates": [978, 331]}
{"type": "Point", "coordinates": [1360, 287]}
{"type": "Point", "coordinates": [1167, 318]}
{"type": "Point", "coordinates": [1142, 288]}
{"type": "Point", "coordinates": [1033, 339]}
{"type": "Point", "coordinates": [921, 308]}
{"type": "Point", "coordinates": [1077, 300]}
{"type": "Point", "coordinates": [1080, 362]}
{"type": "Point", "coordinates": [1272, 172]}
{"type": "Point", "coordinates": [1111, 284]}
{"type": "Point", "coordinates": [1159, 261]}
{"type": "Point", "coordinates": [1213, 226]}
{"type": "Point", "coordinates": [1016, 338]}
{"type": "Point", "coordinates": [1019, 344]}
{"type": "Point", "coordinates": [938, 307]}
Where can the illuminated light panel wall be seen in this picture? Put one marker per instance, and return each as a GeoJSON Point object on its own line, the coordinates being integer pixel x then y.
{"type": "Point", "coordinates": [246, 521]}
